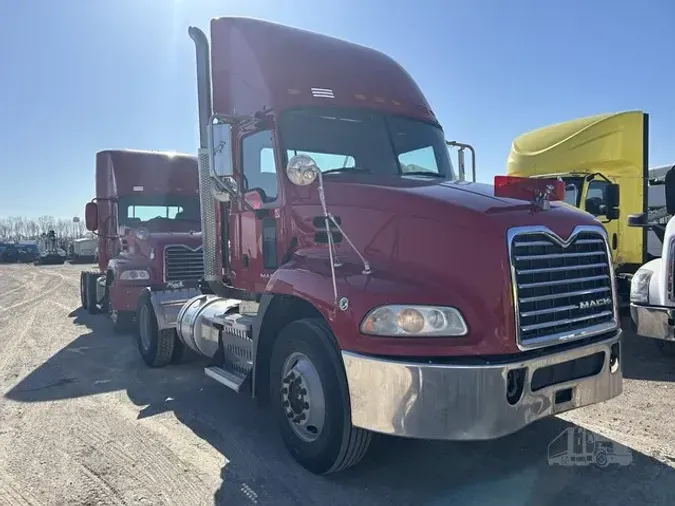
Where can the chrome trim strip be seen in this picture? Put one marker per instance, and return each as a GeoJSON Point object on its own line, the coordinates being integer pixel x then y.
{"type": "Point", "coordinates": [569, 335]}
{"type": "Point", "coordinates": [559, 269]}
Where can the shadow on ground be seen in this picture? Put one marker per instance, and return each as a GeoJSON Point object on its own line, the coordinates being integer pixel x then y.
{"type": "Point", "coordinates": [510, 471]}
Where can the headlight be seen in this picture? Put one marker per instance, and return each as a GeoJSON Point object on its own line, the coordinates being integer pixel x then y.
{"type": "Point", "coordinates": [639, 287]}
{"type": "Point", "coordinates": [402, 321]}
{"type": "Point", "coordinates": [135, 275]}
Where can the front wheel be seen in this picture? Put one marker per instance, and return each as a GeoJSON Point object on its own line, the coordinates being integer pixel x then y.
{"type": "Point", "coordinates": [91, 282]}
{"type": "Point", "coordinates": [310, 398]}
{"type": "Point", "coordinates": [83, 290]}
{"type": "Point", "coordinates": [156, 346]}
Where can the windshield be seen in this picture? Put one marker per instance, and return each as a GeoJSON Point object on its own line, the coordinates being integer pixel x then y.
{"type": "Point", "coordinates": [345, 140]}
{"type": "Point", "coordinates": [573, 187]}
{"type": "Point", "coordinates": [137, 210]}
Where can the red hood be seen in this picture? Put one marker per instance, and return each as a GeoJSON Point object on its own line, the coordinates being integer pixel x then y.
{"type": "Point", "coordinates": [434, 242]}
{"type": "Point", "coordinates": [463, 204]}
{"type": "Point", "coordinates": [158, 240]}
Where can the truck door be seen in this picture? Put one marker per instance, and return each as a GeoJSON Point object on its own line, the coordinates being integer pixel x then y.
{"type": "Point", "coordinates": [593, 202]}
{"type": "Point", "coordinates": [255, 250]}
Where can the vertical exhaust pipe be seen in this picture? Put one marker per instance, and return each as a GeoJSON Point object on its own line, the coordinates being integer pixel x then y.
{"type": "Point", "coordinates": [209, 235]}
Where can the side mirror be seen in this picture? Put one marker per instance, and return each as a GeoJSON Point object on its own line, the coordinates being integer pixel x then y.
{"type": "Point", "coordinates": [221, 147]}
{"type": "Point", "coordinates": [91, 216]}
{"type": "Point", "coordinates": [670, 191]}
{"type": "Point", "coordinates": [220, 162]}
{"type": "Point", "coordinates": [612, 201]}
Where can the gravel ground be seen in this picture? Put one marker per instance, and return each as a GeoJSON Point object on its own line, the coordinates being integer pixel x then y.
{"type": "Point", "coordinates": [82, 421]}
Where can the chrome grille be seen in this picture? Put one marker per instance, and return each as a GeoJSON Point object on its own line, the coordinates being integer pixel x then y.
{"type": "Point", "coordinates": [183, 264]}
{"type": "Point", "coordinates": [562, 291]}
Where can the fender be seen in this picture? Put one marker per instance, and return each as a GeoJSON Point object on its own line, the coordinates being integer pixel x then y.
{"type": "Point", "coordinates": [167, 301]}
{"type": "Point", "coordinates": [490, 321]}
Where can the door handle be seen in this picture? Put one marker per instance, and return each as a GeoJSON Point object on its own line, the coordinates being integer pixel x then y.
{"type": "Point", "coordinates": [615, 240]}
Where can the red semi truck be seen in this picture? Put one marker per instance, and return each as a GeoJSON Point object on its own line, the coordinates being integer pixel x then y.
{"type": "Point", "coordinates": [146, 216]}
{"type": "Point", "coordinates": [353, 282]}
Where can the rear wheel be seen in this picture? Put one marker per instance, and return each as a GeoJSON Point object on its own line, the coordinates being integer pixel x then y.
{"type": "Point", "coordinates": [310, 399]}
{"type": "Point", "coordinates": [156, 346]}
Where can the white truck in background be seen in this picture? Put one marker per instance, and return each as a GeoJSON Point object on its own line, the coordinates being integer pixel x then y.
{"type": "Point", "coordinates": [83, 250]}
{"type": "Point", "coordinates": [652, 293]}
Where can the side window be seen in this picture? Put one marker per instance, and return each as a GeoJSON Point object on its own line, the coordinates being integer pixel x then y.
{"type": "Point", "coordinates": [419, 160]}
{"type": "Point", "coordinates": [258, 164]}
{"type": "Point", "coordinates": [595, 198]}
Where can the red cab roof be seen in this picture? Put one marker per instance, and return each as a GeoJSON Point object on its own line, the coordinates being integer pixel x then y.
{"type": "Point", "coordinates": [258, 65]}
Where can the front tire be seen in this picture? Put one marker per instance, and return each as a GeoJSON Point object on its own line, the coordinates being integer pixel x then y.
{"type": "Point", "coordinates": [83, 289]}
{"type": "Point", "coordinates": [310, 399]}
{"type": "Point", "coordinates": [156, 346]}
{"type": "Point", "coordinates": [90, 291]}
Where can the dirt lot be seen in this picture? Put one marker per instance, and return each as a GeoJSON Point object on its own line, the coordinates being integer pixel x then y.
{"type": "Point", "coordinates": [82, 421]}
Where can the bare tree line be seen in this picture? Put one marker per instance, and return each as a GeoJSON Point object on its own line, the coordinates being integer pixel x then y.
{"type": "Point", "coordinates": [17, 228]}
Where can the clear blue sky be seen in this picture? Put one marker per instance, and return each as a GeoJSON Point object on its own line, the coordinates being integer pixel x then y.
{"type": "Point", "coordinates": [77, 76]}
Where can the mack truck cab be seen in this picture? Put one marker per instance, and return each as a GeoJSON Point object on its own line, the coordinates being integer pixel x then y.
{"type": "Point", "coordinates": [147, 222]}
{"type": "Point", "coordinates": [603, 160]}
{"type": "Point", "coordinates": [353, 283]}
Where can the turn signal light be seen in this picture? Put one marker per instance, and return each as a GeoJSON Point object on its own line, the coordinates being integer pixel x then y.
{"type": "Point", "coordinates": [528, 188]}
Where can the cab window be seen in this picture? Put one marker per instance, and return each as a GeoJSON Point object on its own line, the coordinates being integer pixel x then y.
{"type": "Point", "coordinates": [258, 164]}
{"type": "Point", "coordinates": [595, 198]}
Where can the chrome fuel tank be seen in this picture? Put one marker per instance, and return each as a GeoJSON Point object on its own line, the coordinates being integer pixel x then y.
{"type": "Point", "coordinates": [195, 322]}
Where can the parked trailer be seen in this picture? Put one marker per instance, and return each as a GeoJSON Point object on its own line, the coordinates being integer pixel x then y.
{"type": "Point", "coordinates": [146, 217]}
{"type": "Point", "coordinates": [358, 295]}
{"type": "Point", "coordinates": [83, 250]}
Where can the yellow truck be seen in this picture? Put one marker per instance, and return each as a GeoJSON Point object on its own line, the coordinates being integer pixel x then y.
{"type": "Point", "coordinates": [603, 160]}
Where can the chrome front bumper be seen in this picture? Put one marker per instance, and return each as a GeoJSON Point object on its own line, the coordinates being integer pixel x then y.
{"type": "Point", "coordinates": [469, 402]}
{"type": "Point", "coordinates": [654, 322]}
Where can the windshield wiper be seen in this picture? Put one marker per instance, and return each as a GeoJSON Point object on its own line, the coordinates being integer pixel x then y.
{"type": "Point", "coordinates": [422, 173]}
{"type": "Point", "coordinates": [346, 169]}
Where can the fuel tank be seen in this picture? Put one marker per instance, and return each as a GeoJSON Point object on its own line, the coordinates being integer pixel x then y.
{"type": "Point", "coordinates": [195, 322]}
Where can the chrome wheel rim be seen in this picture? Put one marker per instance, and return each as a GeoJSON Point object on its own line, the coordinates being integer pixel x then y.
{"type": "Point", "coordinates": [302, 397]}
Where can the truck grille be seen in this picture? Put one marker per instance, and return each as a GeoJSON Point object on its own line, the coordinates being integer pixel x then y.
{"type": "Point", "coordinates": [562, 293]}
{"type": "Point", "coordinates": [183, 264]}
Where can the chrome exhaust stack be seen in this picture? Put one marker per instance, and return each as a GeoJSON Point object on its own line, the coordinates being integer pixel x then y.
{"type": "Point", "coordinates": [208, 205]}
